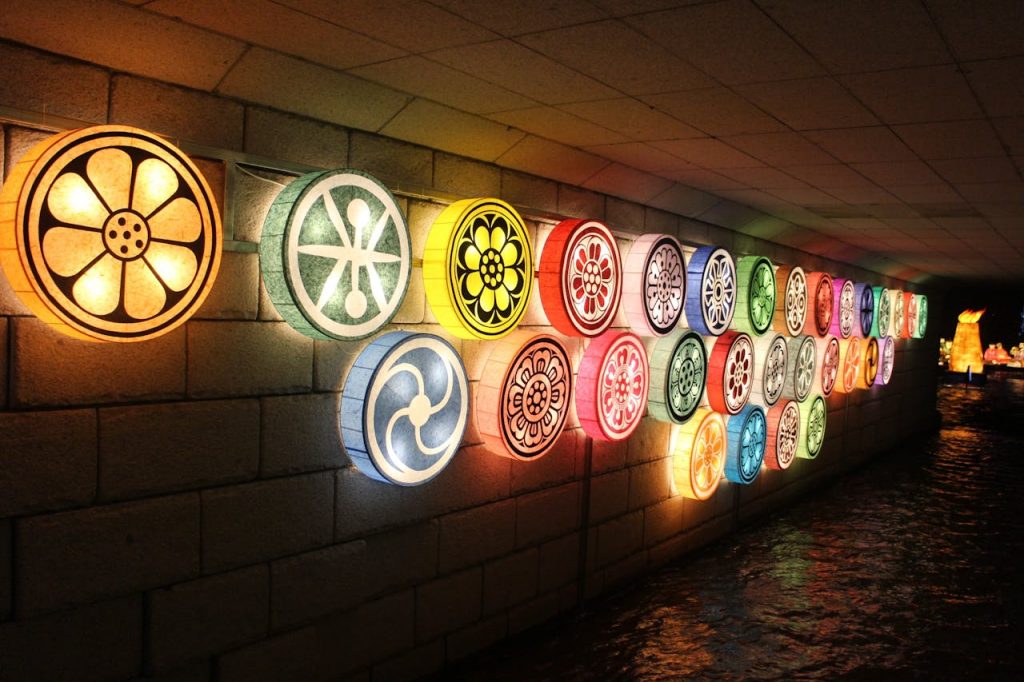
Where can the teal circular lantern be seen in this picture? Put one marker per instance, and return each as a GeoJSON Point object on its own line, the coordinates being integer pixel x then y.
{"type": "Point", "coordinates": [679, 367]}
{"type": "Point", "coordinates": [880, 325]}
{"type": "Point", "coordinates": [335, 254]}
{"type": "Point", "coordinates": [745, 445]}
{"type": "Point", "coordinates": [404, 408]}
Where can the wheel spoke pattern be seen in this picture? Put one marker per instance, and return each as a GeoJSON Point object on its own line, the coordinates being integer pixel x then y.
{"type": "Point", "coordinates": [869, 363]}
{"type": "Point", "coordinates": [821, 304]}
{"type": "Point", "coordinates": [829, 364]}
{"type": "Point", "coordinates": [844, 314]}
{"type": "Point", "coordinates": [404, 408]}
{"type": "Point", "coordinates": [912, 315]}
{"type": "Point", "coordinates": [771, 370]}
{"type": "Point", "coordinates": [678, 372]}
{"type": "Point", "coordinates": [880, 327]}
{"type": "Point", "coordinates": [699, 455]}
{"type": "Point", "coordinates": [790, 300]}
{"type": "Point", "coordinates": [812, 420]}
{"type": "Point", "coordinates": [730, 372]}
{"type": "Point", "coordinates": [756, 308]}
{"type": "Point", "coordinates": [802, 353]}
{"type": "Point", "coordinates": [747, 436]}
{"type": "Point", "coordinates": [865, 296]}
{"type": "Point", "coordinates": [887, 359]}
{"type": "Point", "coordinates": [899, 323]}
{"type": "Point", "coordinates": [580, 277]}
{"type": "Point", "coordinates": [711, 281]}
{"type": "Point", "coordinates": [654, 284]}
{"type": "Point", "coordinates": [851, 353]}
{"type": "Point", "coordinates": [922, 316]}
{"type": "Point", "coordinates": [612, 386]}
{"type": "Point", "coordinates": [783, 435]}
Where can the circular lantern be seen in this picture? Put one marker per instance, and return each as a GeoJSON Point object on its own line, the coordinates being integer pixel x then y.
{"type": "Point", "coordinates": [844, 315]}
{"type": "Point", "coordinates": [864, 294]}
{"type": "Point", "coordinates": [523, 396]}
{"type": "Point", "coordinates": [730, 371]}
{"type": "Point", "coordinates": [770, 373]}
{"type": "Point", "coordinates": [819, 284]}
{"type": "Point", "coordinates": [830, 363]}
{"type": "Point", "coordinates": [899, 322]}
{"type": "Point", "coordinates": [404, 408]}
{"type": "Point", "coordinates": [611, 390]}
{"type": "Point", "coordinates": [756, 308]}
{"type": "Point", "coordinates": [679, 366]}
{"type": "Point", "coordinates": [790, 300]}
{"type": "Point", "coordinates": [803, 354]}
{"type": "Point", "coordinates": [654, 284]}
{"type": "Point", "coordinates": [851, 352]}
{"type": "Point", "coordinates": [711, 281]}
{"type": "Point", "coordinates": [783, 435]}
{"type": "Point", "coordinates": [109, 233]}
{"type": "Point", "coordinates": [478, 268]}
{"type": "Point", "coordinates": [922, 316]}
{"type": "Point", "coordinates": [335, 254]}
{"type": "Point", "coordinates": [869, 363]}
{"type": "Point", "coordinates": [886, 360]}
{"type": "Point", "coordinates": [883, 312]}
{"type": "Point", "coordinates": [747, 436]}
{"type": "Point", "coordinates": [580, 277]}
{"type": "Point", "coordinates": [911, 314]}
{"type": "Point", "coordinates": [699, 455]}
{"type": "Point", "coordinates": [812, 416]}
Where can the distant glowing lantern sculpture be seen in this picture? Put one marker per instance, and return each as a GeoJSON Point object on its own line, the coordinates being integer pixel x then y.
{"type": "Point", "coordinates": [771, 369]}
{"type": "Point", "coordinates": [886, 361]}
{"type": "Point", "coordinates": [679, 366]}
{"type": "Point", "coordinates": [404, 408]}
{"type": "Point", "coordinates": [869, 364]}
{"type": "Point", "coordinates": [844, 313]}
{"type": "Point", "coordinates": [819, 285]}
{"type": "Point", "coordinates": [580, 277]}
{"type": "Point", "coordinates": [883, 313]}
{"type": "Point", "coordinates": [864, 294]}
{"type": "Point", "coordinates": [851, 353]}
{"type": "Point", "coordinates": [730, 371]}
{"type": "Point", "coordinates": [898, 329]}
{"type": "Point", "coordinates": [830, 363]}
{"type": "Point", "coordinates": [654, 284]}
{"type": "Point", "coordinates": [712, 290]}
{"type": "Point", "coordinates": [612, 386]}
{"type": "Point", "coordinates": [478, 268]}
{"type": "Point", "coordinates": [523, 395]}
{"type": "Point", "coordinates": [699, 455]}
{"type": "Point", "coordinates": [745, 445]}
{"type": "Point", "coordinates": [109, 233]}
{"type": "Point", "coordinates": [965, 354]}
{"type": "Point", "coordinates": [756, 299]}
{"type": "Point", "coordinates": [335, 254]}
{"type": "Point", "coordinates": [783, 438]}
{"type": "Point", "coordinates": [910, 306]}
{"type": "Point", "coordinates": [813, 415]}
{"type": "Point", "coordinates": [803, 353]}
{"type": "Point", "coordinates": [790, 300]}
{"type": "Point", "coordinates": [922, 316]}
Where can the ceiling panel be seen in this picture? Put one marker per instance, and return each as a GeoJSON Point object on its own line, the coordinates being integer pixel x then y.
{"type": "Point", "coordinates": [708, 153]}
{"type": "Point", "coordinates": [927, 93]}
{"type": "Point", "coordinates": [951, 139]}
{"type": "Point", "coordinates": [980, 29]}
{"type": "Point", "coordinates": [523, 16]}
{"type": "Point", "coordinates": [558, 125]}
{"type": "Point", "coordinates": [809, 103]}
{"type": "Point", "coordinates": [716, 111]}
{"type": "Point", "coordinates": [633, 118]}
{"type": "Point", "coordinates": [861, 145]}
{"type": "Point", "coordinates": [780, 149]}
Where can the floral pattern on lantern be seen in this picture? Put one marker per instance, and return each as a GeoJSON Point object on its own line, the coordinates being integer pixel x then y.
{"type": "Point", "coordinates": [580, 277]}
{"type": "Point", "coordinates": [771, 371]}
{"type": "Point", "coordinates": [830, 363]}
{"type": "Point", "coordinates": [699, 455]}
{"type": "Point", "coordinates": [654, 285]}
{"type": "Point", "coordinates": [844, 316]}
{"type": "Point", "coordinates": [819, 284]}
{"type": "Point", "coordinates": [813, 417]}
{"type": "Point", "coordinates": [886, 361]}
{"type": "Point", "coordinates": [756, 308]}
{"type": "Point", "coordinates": [880, 326]}
{"type": "Point", "coordinates": [922, 316]}
{"type": "Point", "coordinates": [678, 371]}
{"type": "Point", "coordinates": [851, 353]}
{"type": "Point", "coordinates": [711, 281]}
{"type": "Point", "coordinates": [783, 435]}
{"type": "Point", "coordinates": [612, 386]}
{"type": "Point", "coordinates": [803, 359]}
{"type": "Point", "coordinates": [730, 371]}
{"type": "Point", "coordinates": [912, 315]}
{"type": "Point", "coordinates": [746, 440]}
{"type": "Point", "coordinates": [790, 300]}
{"type": "Point", "coordinates": [899, 322]}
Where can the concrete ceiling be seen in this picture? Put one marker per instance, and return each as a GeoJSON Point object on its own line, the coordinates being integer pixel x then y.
{"type": "Point", "coordinates": [894, 126]}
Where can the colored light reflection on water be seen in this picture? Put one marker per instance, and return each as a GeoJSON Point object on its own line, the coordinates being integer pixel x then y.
{"type": "Point", "coordinates": [910, 567]}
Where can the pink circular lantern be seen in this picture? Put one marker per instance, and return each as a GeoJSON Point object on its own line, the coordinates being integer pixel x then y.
{"type": "Point", "coordinates": [844, 312]}
{"type": "Point", "coordinates": [611, 389]}
{"type": "Point", "coordinates": [730, 372]}
{"type": "Point", "coordinates": [654, 284]}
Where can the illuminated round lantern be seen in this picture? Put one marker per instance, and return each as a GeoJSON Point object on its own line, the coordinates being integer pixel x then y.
{"type": "Point", "coordinates": [404, 408]}
{"type": "Point", "coordinates": [580, 277]}
{"type": "Point", "coordinates": [523, 395]}
{"type": "Point", "coordinates": [830, 364]}
{"type": "Point", "coordinates": [335, 254]}
{"type": "Point", "coordinates": [883, 313]}
{"type": "Point", "coordinates": [886, 360]}
{"type": "Point", "coordinates": [819, 284]}
{"type": "Point", "coordinates": [911, 314]}
{"type": "Point", "coordinates": [851, 352]}
{"type": "Point", "coordinates": [745, 445]}
{"type": "Point", "coordinates": [802, 356]}
{"type": "Point", "coordinates": [812, 419]}
{"type": "Point", "coordinates": [711, 283]}
{"type": "Point", "coordinates": [783, 435]}
{"type": "Point", "coordinates": [864, 294]}
{"type": "Point", "coordinates": [478, 268]}
{"type": "Point", "coordinates": [922, 316]}
{"type": "Point", "coordinates": [844, 314]}
{"type": "Point", "coordinates": [899, 322]}
{"type": "Point", "coordinates": [699, 455]}
{"type": "Point", "coordinates": [654, 284]}
{"type": "Point", "coordinates": [790, 300]}
{"type": "Point", "coordinates": [730, 371]}
{"type": "Point", "coordinates": [109, 233]}
{"type": "Point", "coordinates": [756, 299]}
{"type": "Point", "coordinates": [679, 366]}
{"type": "Point", "coordinates": [771, 369]}
{"type": "Point", "coordinates": [611, 389]}
{"type": "Point", "coordinates": [869, 363]}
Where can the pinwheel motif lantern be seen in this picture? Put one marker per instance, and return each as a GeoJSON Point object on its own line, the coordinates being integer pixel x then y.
{"type": "Point", "coordinates": [654, 284]}
{"type": "Point", "coordinates": [612, 386]}
{"type": "Point", "coordinates": [869, 364]}
{"type": "Point", "coordinates": [864, 294]}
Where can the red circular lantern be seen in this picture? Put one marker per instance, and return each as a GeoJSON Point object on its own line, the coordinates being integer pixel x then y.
{"type": "Point", "coordinates": [580, 277]}
{"type": "Point", "coordinates": [730, 372]}
{"type": "Point", "coordinates": [611, 389]}
{"type": "Point", "coordinates": [654, 284]}
{"type": "Point", "coordinates": [819, 287]}
{"type": "Point", "coordinates": [783, 435]}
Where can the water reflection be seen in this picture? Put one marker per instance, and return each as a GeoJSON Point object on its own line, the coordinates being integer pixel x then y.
{"type": "Point", "coordinates": [909, 568]}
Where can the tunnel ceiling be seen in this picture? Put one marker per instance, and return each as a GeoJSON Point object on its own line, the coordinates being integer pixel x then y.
{"type": "Point", "coordinates": [886, 134]}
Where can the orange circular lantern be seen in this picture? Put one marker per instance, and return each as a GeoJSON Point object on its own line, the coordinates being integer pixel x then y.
{"type": "Point", "coordinates": [850, 355]}
{"type": "Point", "coordinates": [830, 364]}
{"type": "Point", "coordinates": [730, 371]}
{"type": "Point", "coordinates": [109, 233]}
{"type": "Point", "coordinates": [869, 363]}
{"type": "Point", "coordinates": [803, 354]}
{"type": "Point", "coordinates": [612, 386]}
{"type": "Point", "coordinates": [699, 456]}
{"type": "Point", "coordinates": [783, 435]}
{"type": "Point", "coordinates": [819, 285]}
{"type": "Point", "coordinates": [523, 395]}
{"type": "Point", "coordinates": [844, 313]}
{"type": "Point", "coordinates": [790, 300]}
{"type": "Point", "coordinates": [654, 284]}
{"type": "Point", "coordinates": [580, 277]}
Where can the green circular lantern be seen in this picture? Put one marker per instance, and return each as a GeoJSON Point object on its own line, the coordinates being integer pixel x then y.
{"type": "Point", "coordinates": [679, 365]}
{"type": "Point", "coordinates": [756, 278]}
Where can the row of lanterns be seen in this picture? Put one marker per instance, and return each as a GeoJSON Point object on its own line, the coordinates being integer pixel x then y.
{"type": "Point", "coordinates": [110, 233]}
